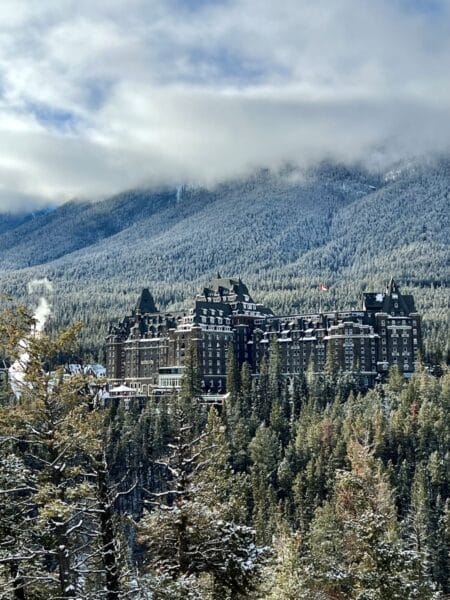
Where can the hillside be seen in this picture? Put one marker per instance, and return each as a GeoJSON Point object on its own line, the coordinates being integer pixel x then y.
{"type": "Point", "coordinates": [11, 221]}
{"type": "Point", "coordinates": [283, 233]}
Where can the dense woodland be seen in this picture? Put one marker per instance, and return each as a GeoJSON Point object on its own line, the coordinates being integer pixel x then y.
{"type": "Point", "coordinates": [284, 233]}
{"type": "Point", "coordinates": [326, 492]}
{"type": "Point", "coordinates": [323, 493]}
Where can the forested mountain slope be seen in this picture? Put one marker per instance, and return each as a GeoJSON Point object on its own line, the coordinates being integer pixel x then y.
{"type": "Point", "coordinates": [283, 233]}
{"type": "Point", "coordinates": [10, 221]}
{"type": "Point", "coordinates": [76, 225]}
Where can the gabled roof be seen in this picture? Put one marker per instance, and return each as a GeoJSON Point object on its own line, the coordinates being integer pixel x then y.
{"type": "Point", "coordinates": [146, 304]}
{"type": "Point", "coordinates": [392, 301]}
{"type": "Point", "coordinates": [225, 286]}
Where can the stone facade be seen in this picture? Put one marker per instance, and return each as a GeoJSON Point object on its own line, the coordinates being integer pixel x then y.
{"type": "Point", "coordinates": [147, 349]}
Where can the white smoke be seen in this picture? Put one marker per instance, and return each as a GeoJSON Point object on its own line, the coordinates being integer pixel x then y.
{"type": "Point", "coordinates": [41, 315]}
{"type": "Point", "coordinates": [43, 310]}
{"type": "Point", "coordinates": [17, 371]}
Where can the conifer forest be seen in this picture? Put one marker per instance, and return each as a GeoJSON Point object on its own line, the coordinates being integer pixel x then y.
{"type": "Point", "coordinates": [320, 492]}
{"type": "Point", "coordinates": [224, 300]}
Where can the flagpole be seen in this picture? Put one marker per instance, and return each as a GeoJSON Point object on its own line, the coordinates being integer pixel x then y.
{"type": "Point", "coordinates": [322, 288]}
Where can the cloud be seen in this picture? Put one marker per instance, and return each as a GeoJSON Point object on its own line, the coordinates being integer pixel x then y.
{"type": "Point", "coordinates": [99, 97]}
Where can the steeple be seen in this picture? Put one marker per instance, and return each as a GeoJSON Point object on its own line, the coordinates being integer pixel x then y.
{"type": "Point", "coordinates": [146, 304]}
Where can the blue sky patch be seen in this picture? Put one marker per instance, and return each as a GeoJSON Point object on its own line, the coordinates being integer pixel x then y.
{"type": "Point", "coordinates": [52, 117]}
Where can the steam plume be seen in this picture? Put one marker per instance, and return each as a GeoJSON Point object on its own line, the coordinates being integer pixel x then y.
{"type": "Point", "coordinates": [17, 371]}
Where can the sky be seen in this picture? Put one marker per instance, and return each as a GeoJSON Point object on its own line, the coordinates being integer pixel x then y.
{"type": "Point", "coordinates": [97, 96]}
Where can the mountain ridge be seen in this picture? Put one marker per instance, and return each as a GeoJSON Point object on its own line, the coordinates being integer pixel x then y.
{"type": "Point", "coordinates": [281, 232]}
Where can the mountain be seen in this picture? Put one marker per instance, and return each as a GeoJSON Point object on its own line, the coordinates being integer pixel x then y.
{"type": "Point", "coordinates": [283, 233]}
{"type": "Point", "coordinates": [11, 221]}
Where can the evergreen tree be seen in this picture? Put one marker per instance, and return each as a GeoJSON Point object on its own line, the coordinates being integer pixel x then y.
{"type": "Point", "coordinates": [395, 380]}
{"type": "Point", "coordinates": [262, 405]}
{"type": "Point", "coordinates": [187, 534]}
{"type": "Point", "coordinates": [356, 549]}
{"type": "Point", "coordinates": [233, 375]}
{"type": "Point", "coordinates": [264, 451]}
{"type": "Point", "coordinates": [246, 390]}
{"type": "Point", "coordinates": [286, 579]}
{"type": "Point", "coordinates": [64, 544]}
{"type": "Point", "coordinates": [191, 387]}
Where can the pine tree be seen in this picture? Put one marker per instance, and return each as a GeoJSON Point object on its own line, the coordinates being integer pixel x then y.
{"type": "Point", "coordinates": [233, 375]}
{"type": "Point", "coordinates": [190, 383]}
{"type": "Point", "coordinates": [264, 451]}
{"type": "Point", "coordinates": [53, 431]}
{"type": "Point", "coordinates": [17, 484]}
{"type": "Point", "coordinates": [217, 484]}
{"type": "Point", "coordinates": [286, 580]}
{"type": "Point", "coordinates": [246, 390]}
{"type": "Point", "coordinates": [355, 543]}
{"type": "Point", "coordinates": [418, 521]}
{"type": "Point", "coordinates": [187, 534]}
{"type": "Point", "coordinates": [262, 401]}
{"type": "Point", "coordinates": [299, 395]}
{"type": "Point", "coordinates": [275, 381]}
{"type": "Point", "coordinates": [395, 380]}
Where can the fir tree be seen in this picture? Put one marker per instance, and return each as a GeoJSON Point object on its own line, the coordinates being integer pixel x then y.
{"type": "Point", "coordinates": [65, 542]}
{"type": "Point", "coordinates": [233, 375]}
{"type": "Point", "coordinates": [190, 383]}
{"type": "Point", "coordinates": [264, 451]}
{"type": "Point", "coordinates": [187, 534]}
{"type": "Point", "coordinates": [246, 390]}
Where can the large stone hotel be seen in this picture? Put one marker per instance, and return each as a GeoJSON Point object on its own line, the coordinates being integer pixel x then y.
{"type": "Point", "coordinates": [147, 349]}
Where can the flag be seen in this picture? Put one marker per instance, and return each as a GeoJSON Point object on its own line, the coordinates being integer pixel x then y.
{"type": "Point", "coordinates": [323, 288]}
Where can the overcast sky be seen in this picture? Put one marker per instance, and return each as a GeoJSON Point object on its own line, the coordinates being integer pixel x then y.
{"type": "Point", "coordinates": [100, 96]}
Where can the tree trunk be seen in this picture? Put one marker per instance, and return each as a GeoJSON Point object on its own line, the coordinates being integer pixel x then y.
{"type": "Point", "coordinates": [65, 574]}
{"type": "Point", "coordinates": [18, 582]}
{"type": "Point", "coordinates": [108, 536]}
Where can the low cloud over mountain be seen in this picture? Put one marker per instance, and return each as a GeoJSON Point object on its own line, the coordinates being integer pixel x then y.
{"type": "Point", "coordinates": [97, 97]}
